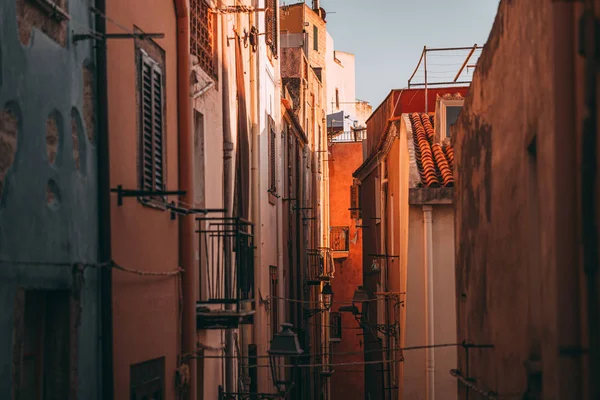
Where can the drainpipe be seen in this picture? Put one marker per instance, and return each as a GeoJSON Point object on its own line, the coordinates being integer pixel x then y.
{"type": "Point", "coordinates": [589, 184]}
{"type": "Point", "coordinates": [228, 180]}
{"type": "Point", "coordinates": [258, 328]}
{"type": "Point", "coordinates": [186, 182]}
{"type": "Point", "coordinates": [429, 327]}
{"type": "Point", "coordinates": [104, 243]}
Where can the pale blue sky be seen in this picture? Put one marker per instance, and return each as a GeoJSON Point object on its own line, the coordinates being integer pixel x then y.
{"type": "Point", "coordinates": [387, 37]}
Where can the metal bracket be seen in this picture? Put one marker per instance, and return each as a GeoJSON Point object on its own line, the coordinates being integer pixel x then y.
{"type": "Point", "coordinates": [143, 193]}
{"type": "Point", "coordinates": [77, 37]}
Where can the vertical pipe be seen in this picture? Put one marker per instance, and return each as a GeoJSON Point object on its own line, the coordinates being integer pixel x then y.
{"type": "Point", "coordinates": [258, 328]}
{"type": "Point", "coordinates": [425, 66]}
{"type": "Point", "coordinates": [186, 182]}
{"type": "Point", "coordinates": [429, 320]}
{"type": "Point", "coordinates": [228, 179]}
{"type": "Point", "coordinates": [104, 228]}
{"type": "Point", "coordinates": [589, 185]}
{"type": "Point", "coordinates": [568, 314]}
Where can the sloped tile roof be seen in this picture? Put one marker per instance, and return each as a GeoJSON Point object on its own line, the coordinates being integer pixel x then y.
{"type": "Point", "coordinates": [435, 162]}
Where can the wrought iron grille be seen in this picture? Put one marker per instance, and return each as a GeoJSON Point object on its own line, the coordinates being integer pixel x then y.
{"type": "Point", "coordinates": [271, 25]}
{"type": "Point", "coordinates": [202, 36]}
{"type": "Point", "coordinates": [340, 238]}
{"type": "Point", "coordinates": [226, 260]}
{"type": "Point", "coordinates": [246, 396]}
{"type": "Point", "coordinates": [319, 265]}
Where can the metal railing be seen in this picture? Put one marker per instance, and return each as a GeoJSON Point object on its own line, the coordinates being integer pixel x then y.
{"type": "Point", "coordinates": [226, 260]}
{"type": "Point", "coordinates": [357, 135]}
{"type": "Point", "coordinates": [340, 238]}
{"type": "Point", "coordinates": [319, 265]}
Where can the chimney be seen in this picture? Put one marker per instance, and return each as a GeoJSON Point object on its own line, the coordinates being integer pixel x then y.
{"type": "Point", "coordinates": [316, 5]}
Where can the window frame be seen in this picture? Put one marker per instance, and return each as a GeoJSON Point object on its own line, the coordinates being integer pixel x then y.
{"type": "Point", "coordinates": [203, 22]}
{"type": "Point", "coordinates": [271, 26]}
{"type": "Point", "coordinates": [440, 116]}
{"type": "Point", "coordinates": [315, 38]}
{"type": "Point", "coordinates": [156, 71]}
{"type": "Point", "coordinates": [272, 149]}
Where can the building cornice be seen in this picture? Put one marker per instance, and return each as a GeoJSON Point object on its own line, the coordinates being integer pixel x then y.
{"type": "Point", "coordinates": [381, 150]}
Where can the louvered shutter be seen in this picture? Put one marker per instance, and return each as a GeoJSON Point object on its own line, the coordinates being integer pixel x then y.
{"type": "Point", "coordinates": [354, 201]}
{"type": "Point", "coordinates": [152, 163]}
{"type": "Point", "coordinates": [272, 138]}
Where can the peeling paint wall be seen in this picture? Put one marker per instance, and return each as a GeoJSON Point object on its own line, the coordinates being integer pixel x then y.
{"type": "Point", "coordinates": [48, 182]}
{"type": "Point", "coordinates": [513, 236]}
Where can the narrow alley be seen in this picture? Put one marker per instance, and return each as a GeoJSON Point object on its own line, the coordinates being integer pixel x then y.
{"type": "Point", "coordinates": [329, 200]}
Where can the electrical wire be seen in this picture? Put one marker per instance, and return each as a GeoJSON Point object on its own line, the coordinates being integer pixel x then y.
{"type": "Point", "coordinates": [110, 264]}
{"type": "Point", "coordinates": [408, 348]}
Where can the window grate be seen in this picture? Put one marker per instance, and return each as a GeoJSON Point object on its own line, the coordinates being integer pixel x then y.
{"type": "Point", "coordinates": [271, 25]}
{"type": "Point", "coordinates": [152, 158]}
{"type": "Point", "coordinates": [340, 238]}
{"type": "Point", "coordinates": [272, 156]}
{"type": "Point", "coordinates": [202, 43]}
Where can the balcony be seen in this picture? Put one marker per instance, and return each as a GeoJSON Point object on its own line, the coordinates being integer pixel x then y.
{"type": "Point", "coordinates": [354, 135]}
{"type": "Point", "coordinates": [339, 237]}
{"type": "Point", "coordinates": [226, 249]}
{"type": "Point", "coordinates": [319, 266]}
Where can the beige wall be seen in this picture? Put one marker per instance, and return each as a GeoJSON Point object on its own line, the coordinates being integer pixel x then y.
{"type": "Point", "coordinates": [444, 308]}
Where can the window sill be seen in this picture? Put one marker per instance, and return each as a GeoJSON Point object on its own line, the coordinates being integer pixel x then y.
{"type": "Point", "coordinates": [272, 198]}
{"type": "Point", "coordinates": [153, 203]}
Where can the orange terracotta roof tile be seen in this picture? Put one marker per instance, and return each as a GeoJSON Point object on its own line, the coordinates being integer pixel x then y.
{"type": "Point", "coordinates": [434, 162]}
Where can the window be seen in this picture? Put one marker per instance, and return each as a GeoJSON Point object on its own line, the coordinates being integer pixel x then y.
{"type": "Point", "coordinates": [355, 211]}
{"type": "Point", "coordinates": [340, 238]}
{"type": "Point", "coordinates": [147, 380]}
{"type": "Point", "coordinates": [447, 111]}
{"type": "Point", "coordinates": [337, 98]}
{"type": "Point", "coordinates": [451, 117]}
{"type": "Point", "coordinates": [335, 323]}
{"type": "Point", "coordinates": [152, 125]}
{"type": "Point", "coordinates": [202, 38]}
{"type": "Point", "coordinates": [272, 154]}
{"type": "Point", "coordinates": [43, 347]}
{"type": "Point", "coordinates": [271, 31]}
{"type": "Point", "coordinates": [315, 38]}
{"type": "Point", "coordinates": [274, 287]}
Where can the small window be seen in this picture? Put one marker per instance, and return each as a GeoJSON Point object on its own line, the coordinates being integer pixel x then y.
{"type": "Point", "coordinates": [335, 323]}
{"type": "Point", "coordinates": [452, 113]}
{"type": "Point", "coordinates": [273, 270]}
{"type": "Point", "coordinates": [44, 351]}
{"type": "Point", "coordinates": [355, 211]}
{"type": "Point", "coordinates": [337, 98]}
{"type": "Point", "coordinates": [152, 125]}
{"type": "Point", "coordinates": [202, 36]}
{"type": "Point", "coordinates": [272, 156]}
{"type": "Point", "coordinates": [147, 380]}
{"type": "Point", "coordinates": [340, 238]}
{"type": "Point", "coordinates": [271, 25]}
{"type": "Point", "coordinates": [315, 38]}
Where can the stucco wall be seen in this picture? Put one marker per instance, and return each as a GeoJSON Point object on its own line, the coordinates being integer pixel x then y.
{"type": "Point", "coordinates": [48, 193]}
{"type": "Point", "coordinates": [508, 244]}
{"type": "Point", "coordinates": [344, 158]}
{"type": "Point", "coordinates": [143, 238]}
{"type": "Point", "coordinates": [414, 383]}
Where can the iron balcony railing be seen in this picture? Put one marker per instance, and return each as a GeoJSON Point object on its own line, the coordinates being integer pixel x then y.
{"type": "Point", "coordinates": [340, 238]}
{"type": "Point", "coordinates": [357, 135]}
{"type": "Point", "coordinates": [226, 261]}
{"type": "Point", "coordinates": [320, 265]}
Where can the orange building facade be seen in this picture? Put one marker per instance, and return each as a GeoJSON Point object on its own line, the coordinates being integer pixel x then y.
{"type": "Point", "coordinates": [143, 129]}
{"type": "Point", "coordinates": [346, 247]}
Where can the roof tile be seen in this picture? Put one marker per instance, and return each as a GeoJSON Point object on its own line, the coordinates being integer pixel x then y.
{"type": "Point", "coordinates": [434, 161]}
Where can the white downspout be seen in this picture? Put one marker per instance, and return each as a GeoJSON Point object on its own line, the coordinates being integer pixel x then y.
{"type": "Point", "coordinates": [429, 320]}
